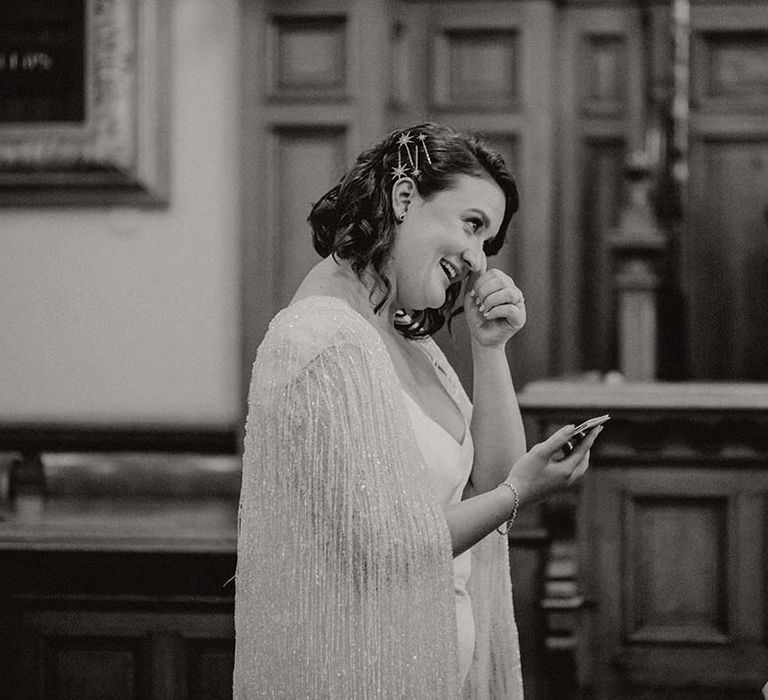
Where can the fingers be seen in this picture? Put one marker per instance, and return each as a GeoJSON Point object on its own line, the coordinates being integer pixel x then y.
{"type": "Point", "coordinates": [577, 463]}
{"type": "Point", "coordinates": [502, 309]}
{"type": "Point", "coordinates": [515, 316]}
{"type": "Point", "coordinates": [583, 447]}
{"type": "Point", "coordinates": [489, 283]}
{"type": "Point", "coordinates": [483, 264]}
{"type": "Point", "coordinates": [497, 297]}
{"type": "Point", "coordinates": [557, 440]}
{"type": "Point", "coordinates": [500, 297]}
{"type": "Point", "coordinates": [554, 444]}
{"type": "Point", "coordinates": [580, 470]}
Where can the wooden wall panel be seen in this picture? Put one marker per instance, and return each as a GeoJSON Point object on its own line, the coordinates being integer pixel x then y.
{"type": "Point", "coordinates": [738, 64]}
{"type": "Point", "coordinates": [604, 67]}
{"type": "Point", "coordinates": [310, 55]}
{"type": "Point", "coordinates": [729, 60]}
{"type": "Point", "coordinates": [308, 162]}
{"type": "Point", "coordinates": [726, 260]}
{"type": "Point", "coordinates": [676, 553]}
{"type": "Point", "coordinates": [602, 198]}
{"type": "Point", "coordinates": [725, 244]}
{"type": "Point", "coordinates": [475, 68]}
{"type": "Point", "coordinates": [209, 666]}
{"type": "Point", "coordinates": [601, 118]}
{"type": "Point", "coordinates": [135, 646]}
{"type": "Point", "coordinates": [674, 562]}
{"type": "Point", "coordinates": [91, 669]}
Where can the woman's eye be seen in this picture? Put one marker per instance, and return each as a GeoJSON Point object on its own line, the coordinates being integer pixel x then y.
{"type": "Point", "coordinates": [474, 225]}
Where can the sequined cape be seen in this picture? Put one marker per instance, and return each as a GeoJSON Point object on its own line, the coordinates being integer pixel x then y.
{"type": "Point", "coordinates": [344, 577]}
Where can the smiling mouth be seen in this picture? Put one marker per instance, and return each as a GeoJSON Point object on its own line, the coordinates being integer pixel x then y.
{"type": "Point", "coordinates": [450, 271]}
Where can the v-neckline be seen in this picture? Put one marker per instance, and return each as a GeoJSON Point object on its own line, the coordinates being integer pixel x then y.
{"type": "Point", "coordinates": [437, 373]}
{"type": "Point", "coordinates": [461, 443]}
{"type": "Point", "coordinates": [351, 309]}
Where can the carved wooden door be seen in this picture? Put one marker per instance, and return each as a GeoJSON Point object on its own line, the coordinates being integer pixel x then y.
{"type": "Point", "coordinates": [725, 248]}
{"type": "Point", "coordinates": [673, 563]}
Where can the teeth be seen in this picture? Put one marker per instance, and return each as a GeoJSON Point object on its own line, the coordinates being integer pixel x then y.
{"type": "Point", "coordinates": [449, 269]}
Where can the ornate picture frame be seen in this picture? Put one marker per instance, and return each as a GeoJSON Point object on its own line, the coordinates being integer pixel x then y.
{"type": "Point", "coordinates": [84, 115]}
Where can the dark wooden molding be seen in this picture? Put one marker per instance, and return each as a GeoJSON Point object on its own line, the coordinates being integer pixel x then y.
{"type": "Point", "coordinates": [35, 438]}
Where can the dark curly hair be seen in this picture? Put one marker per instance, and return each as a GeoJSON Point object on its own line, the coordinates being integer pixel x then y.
{"type": "Point", "coordinates": [354, 220]}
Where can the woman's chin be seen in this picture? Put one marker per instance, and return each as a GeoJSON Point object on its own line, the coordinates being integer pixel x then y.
{"type": "Point", "coordinates": [433, 297]}
{"type": "Point", "coordinates": [436, 301]}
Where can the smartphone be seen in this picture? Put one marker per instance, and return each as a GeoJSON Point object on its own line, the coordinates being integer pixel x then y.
{"type": "Point", "coordinates": [581, 432]}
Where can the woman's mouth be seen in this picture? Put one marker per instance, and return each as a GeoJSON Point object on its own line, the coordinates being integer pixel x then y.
{"type": "Point", "coordinates": [450, 271]}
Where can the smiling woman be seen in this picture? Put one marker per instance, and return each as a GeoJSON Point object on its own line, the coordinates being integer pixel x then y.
{"type": "Point", "coordinates": [442, 236]}
{"type": "Point", "coordinates": [372, 487]}
{"type": "Point", "coordinates": [358, 219]}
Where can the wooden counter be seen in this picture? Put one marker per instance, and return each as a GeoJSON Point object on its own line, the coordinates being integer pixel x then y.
{"type": "Point", "coordinates": [197, 525]}
{"type": "Point", "coordinates": [667, 538]}
{"type": "Point", "coordinates": [118, 584]}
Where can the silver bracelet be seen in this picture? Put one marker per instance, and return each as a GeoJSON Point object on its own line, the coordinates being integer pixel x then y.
{"type": "Point", "coordinates": [512, 517]}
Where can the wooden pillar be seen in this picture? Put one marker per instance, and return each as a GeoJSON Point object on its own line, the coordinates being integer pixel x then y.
{"type": "Point", "coordinates": [636, 245]}
{"type": "Point", "coordinates": [637, 282]}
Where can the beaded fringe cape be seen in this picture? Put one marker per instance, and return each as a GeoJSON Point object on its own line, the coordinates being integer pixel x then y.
{"type": "Point", "coordinates": [344, 585]}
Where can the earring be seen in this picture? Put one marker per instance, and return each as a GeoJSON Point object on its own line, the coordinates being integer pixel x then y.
{"type": "Point", "coordinates": [401, 216]}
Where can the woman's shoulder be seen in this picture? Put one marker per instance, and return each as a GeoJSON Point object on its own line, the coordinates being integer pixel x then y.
{"type": "Point", "coordinates": [314, 329]}
{"type": "Point", "coordinates": [316, 323]}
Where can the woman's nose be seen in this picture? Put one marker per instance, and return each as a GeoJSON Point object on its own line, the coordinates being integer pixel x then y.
{"type": "Point", "coordinates": [475, 259]}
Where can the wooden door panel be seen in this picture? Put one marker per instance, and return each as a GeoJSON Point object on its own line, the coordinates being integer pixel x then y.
{"type": "Point", "coordinates": [674, 559]}
{"type": "Point", "coordinates": [307, 163]}
{"type": "Point", "coordinates": [600, 93]}
{"type": "Point", "coordinates": [307, 55]}
{"type": "Point", "coordinates": [210, 663]}
{"type": "Point", "coordinates": [88, 668]}
{"type": "Point", "coordinates": [726, 261]}
{"type": "Point", "coordinates": [725, 244]}
{"type": "Point", "coordinates": [114, 649]}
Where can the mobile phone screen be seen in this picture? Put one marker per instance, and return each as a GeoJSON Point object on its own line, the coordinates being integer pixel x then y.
{"type": "Point", "coordinates": [581, 431]}
{"type": "Point", "coordinates": [591, 423]}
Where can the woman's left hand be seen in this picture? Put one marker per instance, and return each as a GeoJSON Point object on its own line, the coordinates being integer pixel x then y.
{"type": "Point", "coordinates": [494, 308]}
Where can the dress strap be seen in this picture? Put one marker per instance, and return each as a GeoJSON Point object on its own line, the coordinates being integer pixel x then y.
{"type": "Point", "coordinates": [447, 375]}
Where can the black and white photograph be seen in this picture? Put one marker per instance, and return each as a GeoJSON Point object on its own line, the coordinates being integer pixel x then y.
{"type": "Point", "coordinates": [384, 349]}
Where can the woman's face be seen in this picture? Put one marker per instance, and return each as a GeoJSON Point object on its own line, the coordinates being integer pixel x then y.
{"type": "Point", "coordinates": [441, 239]}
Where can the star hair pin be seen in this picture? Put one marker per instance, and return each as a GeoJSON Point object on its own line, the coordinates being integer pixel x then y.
{"type": "Point", "coordinates": [405, 141]}
{"type": "Point", "coordinates": [399, 172]}
{"type": "Point", "coordinates": [423, 139]}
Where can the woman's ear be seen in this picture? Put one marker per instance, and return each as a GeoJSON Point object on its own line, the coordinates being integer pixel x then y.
{"type": "Point", "coordinates": [403, 193]}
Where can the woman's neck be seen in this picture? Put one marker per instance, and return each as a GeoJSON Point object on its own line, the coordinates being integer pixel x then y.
{"type": "Point", "coordinates": [338, 279]}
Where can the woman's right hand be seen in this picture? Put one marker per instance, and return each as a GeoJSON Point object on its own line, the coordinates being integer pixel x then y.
{"type": "Point", "coordinates": [542, 470]}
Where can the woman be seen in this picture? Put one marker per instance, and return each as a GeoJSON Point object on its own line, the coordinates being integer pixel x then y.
{"type": "Point", "coordinates": [368, 562]}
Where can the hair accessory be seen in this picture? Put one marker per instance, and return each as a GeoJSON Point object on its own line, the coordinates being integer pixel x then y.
{"type": "Point", "coordinates": [512, 517]}
{"type": "Point", "coordinates": [405, 142]}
